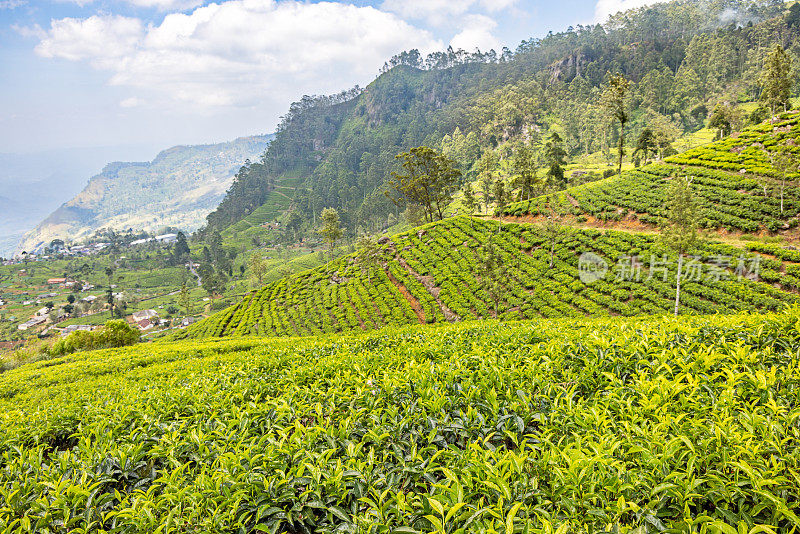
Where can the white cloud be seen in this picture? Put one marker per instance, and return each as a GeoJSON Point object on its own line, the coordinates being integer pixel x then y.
{"type": "Point", "coordinates": [476, 33]}
{"type": "Point", "coordinates": [12, 4]}
{"type": "Point", "coordinates": [438, 12]}
{"type": "Point", "coordinates": [131, 102]}
{"type": "Point", "coordinates": [100, 39]}
{"type": "Point", "coordinates": [237, 53]}
{"type": "Point", "coordinates": [604, 8]}
{"type": "Point", "coordinates": [167, 5]}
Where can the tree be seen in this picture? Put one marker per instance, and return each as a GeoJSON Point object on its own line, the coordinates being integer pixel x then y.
{"type": "Point", "coordinates": [555, 156]}
{"type": "Point", "coordinates": [499, 190]}
{"type": "Point", "coordinates": [293, 223]}
{"type": "Point", "coordinates": [258, 267]}
{"type": "Point", "coordinates": [468, 199]}
{"type": "Point", "coordinates": [525, 163]}
{"type": "Point", "coordinates": [494, 272]}
{"type": "Point", "coordinates": [213, 281]}
{"type": "Point", "coordinates": [554, 233]}
{"type": "Point", "coordinates": [110, 291]}
{"type": "Point", "coordinates": [646, 144]}
{"type": "Point", "coordinates": [775, 80]}
{"type": "Point", "coordinates": [185, 299]}
{"type": "Point", "coordinates": [785, 163]}
{"type": "Point", "coordinates": [331, 231]}
{"type": "Point", "coordinates": [369, 254]}
{"type": "Point", "coordinates": [429, 179]}
{"type": "Point", "coordinates": [181, 249]}
{"type": "Point", "coordinates": [615, 99]}
{"type": "Point", "coordinates": [680, 230]}
{"type": "Point", "coordinates": [725, 118]}
{"type": "Point", "coordinates": [487, 166]}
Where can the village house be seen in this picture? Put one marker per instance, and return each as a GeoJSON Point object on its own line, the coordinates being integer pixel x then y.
{"type": "Point", "coordinates": [143, 315]}
{"type": "Point", "coordinates": [36, 321]}
{"type": "Point", "coordinates": [67, 330]}
{"type": "Point", "coordinates": [144, 324]}
{"type": "Point", "coordinates": [54, 281]}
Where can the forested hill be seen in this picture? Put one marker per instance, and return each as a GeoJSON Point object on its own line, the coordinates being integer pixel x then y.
{"type": "Point", "coordinates": [683, 59]}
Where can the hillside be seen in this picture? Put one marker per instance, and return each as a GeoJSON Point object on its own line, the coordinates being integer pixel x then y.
{"type": "Point", "coordinates": [682, 59]}
{"type": "Point", "coordinates": [603, 425]}
{"type": "Point", "coordinates": [439, 273]}
{"type": "Point", "coordinates": [735, 179]}
{"type": "Point", "coordinates": [178, 188]}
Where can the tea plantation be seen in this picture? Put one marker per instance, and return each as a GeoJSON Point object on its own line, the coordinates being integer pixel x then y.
{"type": "Point", "coordinates": [437, 273]}
{"type": "Point", "coordinates": [570, 425]}
{"type": "Point", "coordinates": [738, 187]}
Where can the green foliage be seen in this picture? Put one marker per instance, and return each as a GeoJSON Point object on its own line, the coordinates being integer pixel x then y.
{"type": "Point", "coordinates": [679, 59]}
{"type": "Point", "coordinates": [429, 180]}
{"type": "Point", "coordinates": [728, 200]}
{"type": "Point", "coordinates": [598, 425]}
{"type": "Point", "coordinates": [433, 274]}
{"type": "Point", "coordinates": [775, 81]}
{"type": "Point", "coordinates": [116, 333]}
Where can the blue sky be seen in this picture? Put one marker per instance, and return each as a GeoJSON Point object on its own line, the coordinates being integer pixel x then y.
{"type": "Point", "coordinates": [80, 73]}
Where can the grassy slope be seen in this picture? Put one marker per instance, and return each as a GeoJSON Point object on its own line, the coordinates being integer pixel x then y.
{"type": "Point", "coordinates": [733, 200]}
{"type": "Point", "coordinates": [574, 423]}
{"type": "Point", "coordinates": [434, 274]}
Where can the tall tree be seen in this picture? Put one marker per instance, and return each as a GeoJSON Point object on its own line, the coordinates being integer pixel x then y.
{"type": "Point", "coordinates": [525, 163]}
{"type": "Point", "coordinates": [499, 190]}
{"type": "Point", "coordinates": [487, 167]}
{"type": "Point", "coordinates": [555, 156]}
{"type": "Point", "coordinates": [331, 230]}
{"type": "Point", "coordinates": [369, 254]}
{"type": "Point", "coordinates": [775, 80]}
{"type": "Point", "coordinates": [494, 271]}
{"type": "Point", "coordinates": [785, 163]}
{"type": "Point", "coordinates": [468, 199]}
{"type": "Point", "coordinates": [680, 230]}
{"type": "Point", "coordinates": [615, 98]}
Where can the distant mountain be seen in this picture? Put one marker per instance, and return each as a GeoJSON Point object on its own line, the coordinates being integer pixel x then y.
{"type": "Point", "coordinates": [33, 184]}
{"type": "Point", "coordinates": [177, 188]}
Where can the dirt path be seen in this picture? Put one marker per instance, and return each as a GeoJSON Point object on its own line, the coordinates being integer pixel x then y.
{"type": "Point", "coordinates": [433, 289]}
{"type": "Point", "coordinates": [412, 300]}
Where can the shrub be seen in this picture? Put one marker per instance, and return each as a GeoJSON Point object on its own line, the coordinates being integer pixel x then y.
{"type": "Point", "coordinates": [113, 334]}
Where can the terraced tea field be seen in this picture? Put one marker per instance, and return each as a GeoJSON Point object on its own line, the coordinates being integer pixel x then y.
{"type": "Point", "coordinates": [571, 425]}
{"type": "Point", "coordinates": [730, 177]}
{"type": "Point", "coordinates": [437, 273]}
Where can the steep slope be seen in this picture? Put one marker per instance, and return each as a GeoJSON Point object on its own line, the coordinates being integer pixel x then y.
{"type": "Point", "coordinates": [177, 188]}
{"type": "Point", "coordinates": [740, 189]}
{"type": "Point", "coordinates": [682, 58]}
{"type": "Point", "coordinates": [443, 272]}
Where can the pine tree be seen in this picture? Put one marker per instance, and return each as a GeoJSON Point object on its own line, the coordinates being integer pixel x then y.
{"type": "Point", "coordinates": [775, 81]}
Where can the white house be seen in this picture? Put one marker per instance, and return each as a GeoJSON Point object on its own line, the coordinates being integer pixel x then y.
{"type": "Point", "coordinates": [31, 323]}
{"type": "Point", "coordinates": [144, 314]}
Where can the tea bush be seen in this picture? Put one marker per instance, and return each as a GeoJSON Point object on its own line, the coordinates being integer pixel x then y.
{"type": "Point", "coordinates": [570, 425]}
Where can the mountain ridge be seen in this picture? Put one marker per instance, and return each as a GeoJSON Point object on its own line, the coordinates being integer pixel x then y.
{"type": "Point", "coordinates": [178, 187]}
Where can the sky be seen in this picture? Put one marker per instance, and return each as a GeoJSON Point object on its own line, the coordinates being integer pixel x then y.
{"type": "Point", "coordinates": [90, 73]}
